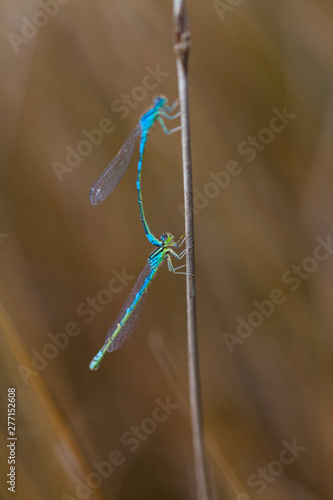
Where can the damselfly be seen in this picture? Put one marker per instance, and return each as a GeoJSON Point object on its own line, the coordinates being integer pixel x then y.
{"type": "Point", "coordinates": [109, 179]}
{"type": "Point", "coordinates": [123, 326]}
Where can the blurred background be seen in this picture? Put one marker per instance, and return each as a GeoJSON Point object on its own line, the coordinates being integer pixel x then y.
{"type": "Point", "coordinates": [261, 123]}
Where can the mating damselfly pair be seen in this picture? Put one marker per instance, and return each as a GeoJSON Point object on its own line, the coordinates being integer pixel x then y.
{"type": "Point", "coordinates": [124, 324]}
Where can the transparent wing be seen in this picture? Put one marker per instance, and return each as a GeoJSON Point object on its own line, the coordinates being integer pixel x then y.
{"type": "Point", "coordinates": [109, 179]}
{"type": "Point", "coordinates": [128, 329]}
{"type": "Point", "coordinates": [129, 326]}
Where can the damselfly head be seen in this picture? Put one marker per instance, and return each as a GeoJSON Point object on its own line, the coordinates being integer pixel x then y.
{"type": "Point", "coordinates": [167, 238]}
{"type": "Point", "coordinates": [160, 100]}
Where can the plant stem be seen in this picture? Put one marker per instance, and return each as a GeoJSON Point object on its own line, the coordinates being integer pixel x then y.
{"type": "Point", "coordinates": [182, 48]}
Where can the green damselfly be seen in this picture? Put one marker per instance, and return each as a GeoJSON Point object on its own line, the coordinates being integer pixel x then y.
{"type": "Point", "coordinates": [123, 326]}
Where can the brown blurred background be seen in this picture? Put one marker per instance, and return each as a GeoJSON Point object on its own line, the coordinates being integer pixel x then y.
{"type": "Point", "coordinates": [248, 58]}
